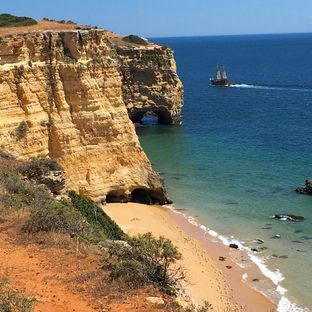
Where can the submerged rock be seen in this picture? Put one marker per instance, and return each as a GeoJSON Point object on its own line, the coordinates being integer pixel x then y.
{"type": "Point", "coordinates": [307, 189]}
{"type": "Point", "coordinates": [258, 241]}
{"type": "Point", "coordinates": [288, 217]}
{"type": "Point", "coordinates": [276, 236]}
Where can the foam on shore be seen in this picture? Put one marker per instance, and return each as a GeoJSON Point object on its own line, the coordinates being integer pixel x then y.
{"type": "Point", "coordinates": [284, 304]}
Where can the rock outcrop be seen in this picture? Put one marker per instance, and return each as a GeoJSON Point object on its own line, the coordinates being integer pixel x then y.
{"type": "Point", "coordinates": [307, 189]}
{"type": "Point", "coordinates": [150, 83]}
{"type": "Point", "coordinates": [62, 95]}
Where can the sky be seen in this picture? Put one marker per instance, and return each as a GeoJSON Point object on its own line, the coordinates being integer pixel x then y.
{"type": "Point", "coordinates": [167, 18]}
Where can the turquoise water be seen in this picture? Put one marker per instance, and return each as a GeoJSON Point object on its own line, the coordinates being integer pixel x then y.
{"type": "Point", "coordinates": [241, 151]}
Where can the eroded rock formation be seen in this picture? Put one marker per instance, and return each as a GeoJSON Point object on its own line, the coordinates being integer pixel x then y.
{"type": "Point", "coordinates": [62, 95]}
{"type": "Point", "coordinates": [150, 83]}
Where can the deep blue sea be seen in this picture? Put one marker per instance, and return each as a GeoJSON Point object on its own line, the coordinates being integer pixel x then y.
{"type": "Point", "coordinates": [241, 151]}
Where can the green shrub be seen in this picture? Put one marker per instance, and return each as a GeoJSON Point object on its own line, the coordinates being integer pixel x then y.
{"type": "Point", "coordinates": [14, 185]}
{"type": "Point", "coordinates": [37, 167]}
{"type": "Point", "coordinates": [8, 20]}
{"type": "Point", "coordinates": [21, 131]}
{"type": "Point", "coordinates": [134, 39]}
{"type": "Point", "coordinates": [54, 217]}
{"type": "Point", "coordinates": [148, 260]}
{"type": "Point", "coordinates": [96, 217]}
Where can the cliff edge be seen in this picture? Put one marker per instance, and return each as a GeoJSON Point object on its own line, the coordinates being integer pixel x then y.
{"type": "Point", "coordinates": [67, 94]}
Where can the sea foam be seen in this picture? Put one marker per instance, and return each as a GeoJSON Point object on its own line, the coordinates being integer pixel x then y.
{"type": "Point", "coordinates": [276, 277]}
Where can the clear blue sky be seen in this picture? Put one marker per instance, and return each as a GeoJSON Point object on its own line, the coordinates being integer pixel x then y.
{"type": "Point", "coordinates": [161, 18]}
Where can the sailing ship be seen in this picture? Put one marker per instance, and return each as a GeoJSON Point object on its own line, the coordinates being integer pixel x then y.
{"type": "Point", "coordinates": [221, 78]}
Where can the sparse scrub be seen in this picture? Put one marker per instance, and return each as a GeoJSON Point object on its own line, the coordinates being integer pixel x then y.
{"type": "Point", "coordinates": [37, 167]}
{"type": "Point", "coordinates": [52, 216]}
{"type": "Point", "coordinates": [147, 260]}
{"type": "Point", "coordinates": [6, 155]}
{"type": "Point", "coordinates": [21, 131]}
{"type": "Point", "coordinates": [134, 39]}
{"type": "Point", "coordinates": [206, 307]}
{"type": "Point", "coordinates": [11, 301]}
{"type": "Point", "coordinates": [8, 20]}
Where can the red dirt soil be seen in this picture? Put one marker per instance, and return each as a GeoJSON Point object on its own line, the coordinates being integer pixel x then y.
{"type": "Point", "coordinates": [63, 280]}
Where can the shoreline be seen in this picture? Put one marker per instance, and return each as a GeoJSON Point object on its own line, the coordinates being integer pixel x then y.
{"type": "Point", "coordinates": [218, 282]}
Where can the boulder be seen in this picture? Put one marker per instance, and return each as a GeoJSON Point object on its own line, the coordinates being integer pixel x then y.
{"type": "Point", "coordinates": [288, 217]}
{"type": "Point", "coordinates": [54, 180]}
{"type": "Point", "coordinates": [234, 246]}
{"type": "Point", "coordinates": [307, 189]}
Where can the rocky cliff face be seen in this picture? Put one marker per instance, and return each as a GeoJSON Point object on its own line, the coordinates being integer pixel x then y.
{"type": "Point", "coordinates": [150, 83]}
{"type": "Point", "coordinates": [63, 94]}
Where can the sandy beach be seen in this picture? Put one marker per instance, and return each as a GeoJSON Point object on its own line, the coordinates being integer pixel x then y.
{"type": "Point", "coordinates": [208, 279]}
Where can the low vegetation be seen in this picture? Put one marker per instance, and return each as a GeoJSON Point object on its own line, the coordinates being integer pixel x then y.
{"type": "Point", "coordinates": [79, 217]}
{"type": "Point", "coordinates": [38, 166]}
{"type": "Point", "coordinates": [21, 131]}
{"type": "Point", "coordinates": [100, 222]}
{"type": "Point", "coordinates": [11, 301]}
{"type": "Point", "coordinates": [146, 259]}
{"type": "Point", "coordinates": [8, 20]}
{"type": "Point", "coordinates": [58, 21]}
{"type": "Point", "coordinates": [129, 263]}
{"type": "Point", "coordinates": [134, 39]}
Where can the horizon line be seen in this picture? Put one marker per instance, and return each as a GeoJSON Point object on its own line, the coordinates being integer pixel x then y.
{"type": "Point", "coordinates": [230, 35]}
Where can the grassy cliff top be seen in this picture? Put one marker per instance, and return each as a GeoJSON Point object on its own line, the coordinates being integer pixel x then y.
{"type": "Point", "coordinates": [8, 20]}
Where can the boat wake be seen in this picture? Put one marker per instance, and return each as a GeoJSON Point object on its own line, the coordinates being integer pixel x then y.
{"type": "Point", "coordinates": [288, 88]}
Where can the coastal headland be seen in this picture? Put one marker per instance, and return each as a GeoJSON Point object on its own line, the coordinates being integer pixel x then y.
{"type": "Point", "coordinates": [72, 93]}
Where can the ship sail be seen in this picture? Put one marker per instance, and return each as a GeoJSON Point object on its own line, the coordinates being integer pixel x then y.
{"type": "Point", "coordinates": [224, 74]}
{"type": "Point", "coordinates": [218, 74]}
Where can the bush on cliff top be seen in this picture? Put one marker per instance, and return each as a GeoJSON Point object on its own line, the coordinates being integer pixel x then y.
{"type": "Point", "coordinates": [8, 20]}
{"type": "Point", "coordinates": [134, 39]}
{"type": "Point", "coordinates": [79, 216]}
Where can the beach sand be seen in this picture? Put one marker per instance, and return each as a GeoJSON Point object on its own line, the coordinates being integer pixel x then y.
{"type": "Point", "coordinates": [207, 280]}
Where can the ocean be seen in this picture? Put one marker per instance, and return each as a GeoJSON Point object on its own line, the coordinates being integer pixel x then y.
{"type": "Point", "coordinates": [241, 151]}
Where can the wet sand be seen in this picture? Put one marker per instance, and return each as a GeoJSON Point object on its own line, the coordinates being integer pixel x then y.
{"type": "Point", "coordinates": [208, 278]}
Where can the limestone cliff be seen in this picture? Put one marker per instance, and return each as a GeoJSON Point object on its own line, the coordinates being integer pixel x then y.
{"type": "Point", "coordinates": [63, 94]}
{"type": "Point", "coordinates": [150, 83]}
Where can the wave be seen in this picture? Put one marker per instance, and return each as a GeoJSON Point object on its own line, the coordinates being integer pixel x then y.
{"type": "Point", "coordinates": [284, 304]}
{"type": "Point", "coordinates": [272, 87]}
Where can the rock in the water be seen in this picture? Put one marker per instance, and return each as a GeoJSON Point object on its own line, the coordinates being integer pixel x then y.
{"type": "Point", "coordinates": [288, 217]}
{"type": "Point", "coordinates": [307, 189]}
{"type": "Point", "coordinates": [234, 246]}
{"type": "Point", "coordinates": [276, 236]}
{"type": "Point", "coordinates": [258, 241]}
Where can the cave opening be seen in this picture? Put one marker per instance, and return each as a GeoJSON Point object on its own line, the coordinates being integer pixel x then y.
{"type": "Point", "coordinates": [147, 117]}
{"type": "Point", "coordinates": [147, 197]}
{"type": "Point", "coordinates": [116, 196]}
